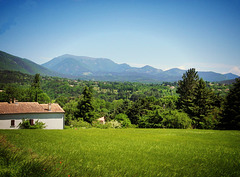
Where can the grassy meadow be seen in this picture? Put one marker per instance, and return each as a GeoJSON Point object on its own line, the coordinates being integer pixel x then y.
{"type": "Point", "coordinates": [120, 152]}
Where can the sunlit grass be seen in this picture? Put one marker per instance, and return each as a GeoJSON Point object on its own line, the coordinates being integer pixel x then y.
{"type": "Point", "coordinates": [135, 152]}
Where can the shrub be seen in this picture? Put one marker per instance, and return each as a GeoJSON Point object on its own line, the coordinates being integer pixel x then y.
{"type": "Point", "coordinates": [114, 124]}
{"type": "Point", "coordinates": [123, 119]}
{"type": "Point", "coordinates": [25, 124]}
{"type": "Point", "coordinates": [209, 122]}
{"type": "Point", "coordinates": [110, 124]}
{"type": "Point", "coordinates": [165, 119]}
{"type": "Point", "coordinates": [80, 123]}
{"type": "Point", "coordinates": [97, 124]}
{"type": "Point", "coordinates": [151, 120]}
{"type": "Point", "coordinates": [147, 121]}
{"type": "Point", "coordinates": [176, 119]}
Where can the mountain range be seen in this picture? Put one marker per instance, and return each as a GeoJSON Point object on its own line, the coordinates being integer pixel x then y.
{"type": "Point", "coordinates": [88, 68]}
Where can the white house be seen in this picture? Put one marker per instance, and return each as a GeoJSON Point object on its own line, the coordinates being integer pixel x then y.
{"type": "Point", "coordinates": [11, 114]}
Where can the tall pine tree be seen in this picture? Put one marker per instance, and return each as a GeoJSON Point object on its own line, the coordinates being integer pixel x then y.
{"type": "Point", "coordinates": [202, 103]}
{"type": "Point", "coordinates": [85, 106]}
{"type": "Point", "coordinates": [35, 88]}
{"type": "Point", "coordinates": [231, 112]}
{"type": "Point", "coordinates": [194, 98]}
{"type": "Point", "coordinates": [186, 90]}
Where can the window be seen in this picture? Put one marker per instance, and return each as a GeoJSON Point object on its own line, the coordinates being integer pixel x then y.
{"type": "Point", "coordinates": [31, 122]}
{"type": "Point", "coordinates": [12, 123]}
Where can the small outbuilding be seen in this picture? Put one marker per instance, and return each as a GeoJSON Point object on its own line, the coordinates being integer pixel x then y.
{"type": "Point", "coordinates": [101, 120]}
{"type": "Point", "coordinates": [11, 114]}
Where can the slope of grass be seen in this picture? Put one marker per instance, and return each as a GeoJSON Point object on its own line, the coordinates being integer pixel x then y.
{"type": "Point", "coordinates": [135, 152]}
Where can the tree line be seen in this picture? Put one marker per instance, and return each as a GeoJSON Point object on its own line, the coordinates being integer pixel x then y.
{"type": "Point", "coordinates": [188, 103]}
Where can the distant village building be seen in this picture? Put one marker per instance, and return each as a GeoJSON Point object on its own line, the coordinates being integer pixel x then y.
{"type": "Point", "coordinates": [11, 114]}
{"type": "Point", "coordinates": [101, 120]}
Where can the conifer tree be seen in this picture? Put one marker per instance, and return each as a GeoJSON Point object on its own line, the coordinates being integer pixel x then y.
{"type": "Point", "coordinates": [35, 88]}
{"type": "Point", "coordinates": [186, 90]}
{"type": "Point", "coordinates": [85, 106]}
{"type": "Point", "coordinates": [195, 98]}
{"type": "Point", "coordinates": [203, 103]}
{"type": "Point", "coordinates": [231, 113]}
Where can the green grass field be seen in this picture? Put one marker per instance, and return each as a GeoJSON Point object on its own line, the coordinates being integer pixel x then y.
{"type": "Point", "coordinates": [124, 152]}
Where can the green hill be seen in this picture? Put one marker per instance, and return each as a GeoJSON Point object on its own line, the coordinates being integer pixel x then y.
{"type": "Point", "coordinates": [14, 63]}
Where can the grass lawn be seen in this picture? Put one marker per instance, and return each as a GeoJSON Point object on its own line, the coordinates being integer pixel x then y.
{"type": "Point", "coordinates": [125, 152]}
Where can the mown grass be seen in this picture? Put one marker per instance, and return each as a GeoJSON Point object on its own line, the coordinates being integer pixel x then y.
{"type": "Point", "coordinates": [133, 152]}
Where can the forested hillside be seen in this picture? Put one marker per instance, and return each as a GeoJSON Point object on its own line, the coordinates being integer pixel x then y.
{"type": "Point", "coordinates": [129, 103]}
{"type": "Point", "coordinates": [14, 63]}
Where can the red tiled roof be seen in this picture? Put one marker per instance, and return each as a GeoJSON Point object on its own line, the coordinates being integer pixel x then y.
{"type": "Point", "coordinates": [28, 107]}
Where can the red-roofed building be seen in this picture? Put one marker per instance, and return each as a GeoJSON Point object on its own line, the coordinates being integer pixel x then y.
{"type": "Point", "coordinates": [11, 114]}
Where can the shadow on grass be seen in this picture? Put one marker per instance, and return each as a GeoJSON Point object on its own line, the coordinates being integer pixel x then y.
{"type": "Point", "coordinates": [19, 162]}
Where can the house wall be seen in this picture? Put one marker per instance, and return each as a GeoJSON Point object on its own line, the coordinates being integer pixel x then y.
{"type": "Point", "coordinates": [52, 121]}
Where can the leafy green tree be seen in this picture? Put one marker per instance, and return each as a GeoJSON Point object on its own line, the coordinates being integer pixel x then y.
{"type": "Point", "coordinates": [168, 102]}
{"type": "Point", "coordinates": [176, 119]}
{"type": "Point", "coordinates": [186, 90]}
{"type": "Point", "coordinates": [70, 109]}
{"type": "Point", "coordinates": [11, 91]}
{"type": "Point", "coordinates": [231, 112]}
{"type": "Point", "coordinates": [101, 107]}
{"type": "Point", "coordinates": [137, 110]}
{"type": "Point", "coordinates": [43, 97]}
{"type": "Point", "coordinates": [153, 119]}
{"type": "Point", "coordinates": [123, 119]}
{"type": "Point", "coordinates": [62, 100]}
{"type": "Point", "coordinates": [85, 106]}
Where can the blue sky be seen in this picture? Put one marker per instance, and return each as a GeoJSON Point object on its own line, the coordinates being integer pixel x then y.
{"type": "Point", "coordinates": [203, 34]}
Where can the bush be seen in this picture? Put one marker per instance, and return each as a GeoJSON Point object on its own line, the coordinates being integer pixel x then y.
{"type": "Point", "coordinates": [147, 121]}
{"type": "Point", "coordinates": [152, 120]}
{"type": "Point", "coordinates": [176, 119]}
{"type": "Point", "coordinates": [209, 122]}
{"type": "Point", "coordinates": [165, 119]}
{"type": "Point", "coordinates": [123, 119]}
{"type": "Point", "coordinates": [110, 124]}
{"type": "Point", "coordinates": [114, 124]}
{"type": "Point", "coordinates": [80, 123]}
{"type": "Point", "coordinates": [97, 124]}
{"type": "Point", "coordinates": [25, 124]}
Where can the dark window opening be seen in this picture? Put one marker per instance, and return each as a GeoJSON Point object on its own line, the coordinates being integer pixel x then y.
{"type": "Point", "coordinates": [31, 122]}
{"type": "Point", "coordinates": [12, 123]}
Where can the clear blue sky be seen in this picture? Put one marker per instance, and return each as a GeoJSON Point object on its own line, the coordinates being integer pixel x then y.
{"type": "Point", "coordinates": [204, 34]}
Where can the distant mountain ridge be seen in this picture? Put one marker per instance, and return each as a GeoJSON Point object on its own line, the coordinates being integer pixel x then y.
{"type": "Point", "coordinates": [81, 64]}
{"type": "Point", "coordinates": [102, 69]}
{"type": "Point", "coordinates": [105, 69]}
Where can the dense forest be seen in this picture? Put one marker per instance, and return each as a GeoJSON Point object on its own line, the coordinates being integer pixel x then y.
{"type": "Point", "coordinates": [188, 103]}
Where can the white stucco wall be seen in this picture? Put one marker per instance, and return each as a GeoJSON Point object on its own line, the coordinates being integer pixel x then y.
{"type": "Point", "coordinates": [52, 121]}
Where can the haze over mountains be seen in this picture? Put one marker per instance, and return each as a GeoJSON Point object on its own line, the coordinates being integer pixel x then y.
{"type": "Point", "coordinates": [106, 69]}
{"type": "Point", "coordinates": [99, 69]}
